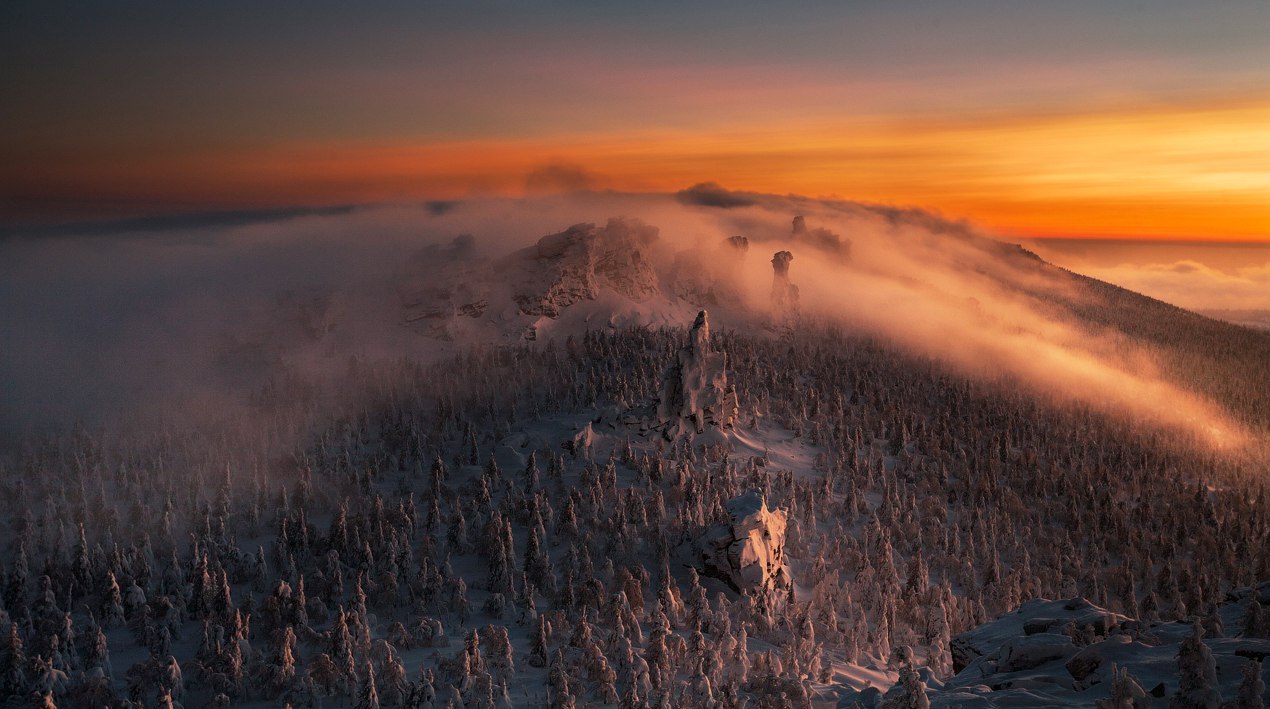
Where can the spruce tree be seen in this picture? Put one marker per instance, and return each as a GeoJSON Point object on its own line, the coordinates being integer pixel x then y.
{"type": "Point", "coordinates": [1197, 674]}
{"type": "Point", "coordinates": [367, 693]}
{"type": "Point", "coordinates": [13, 663]}
{"type": "Point", "coordinates": [1252, 689]}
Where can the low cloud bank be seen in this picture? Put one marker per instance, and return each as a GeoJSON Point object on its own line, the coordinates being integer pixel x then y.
{"type": "Point", "coordinates": [101, 323]}
{"type": "Point", "coordinates": [1194, 285]}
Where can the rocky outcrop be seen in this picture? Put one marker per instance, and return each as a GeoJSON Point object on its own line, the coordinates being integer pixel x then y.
{"type": "Point", "coordinates": [1032, 618]}
{"type": "Point", "coordinates": [748, 551]}
{"type": "Point", "coordinates": [577, 263]}
{"type": "Point", "coordinates": [453, 291]}
{"type": "Point", "coordinates": [695, 393]}
{"type": "Point", "coordinates": [784, 293]}
{"type": "Point", "coordinates": [1072, 653]}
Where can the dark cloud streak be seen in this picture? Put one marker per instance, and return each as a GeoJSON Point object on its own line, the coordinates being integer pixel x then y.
{"type": "Point", "coordinates": [171, 222]}
{"type": "Point", "coordinates": [712, 194]}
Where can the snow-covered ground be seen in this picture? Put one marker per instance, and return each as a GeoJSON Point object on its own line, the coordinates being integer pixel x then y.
{"type": "Point", "coordinates": [577, 491]}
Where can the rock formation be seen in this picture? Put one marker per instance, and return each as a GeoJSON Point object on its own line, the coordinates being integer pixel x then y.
{"type": "Point", "coordinates": [452, 289]}
{"type": "Point", "coordinates": [784, 293]}
{"type": "Point", "coordinates": [695, 392]}
{"type": "Point", "coordinates": [1033, 618]}
{"type": "Point", "coordinates": [575, 264]}
{"type": "Point", "coordinates": [748, 552]}
{"type": "Point", "coordinates": [442, 303]}
{"type": "Point", "coordinates": [1066, 653]}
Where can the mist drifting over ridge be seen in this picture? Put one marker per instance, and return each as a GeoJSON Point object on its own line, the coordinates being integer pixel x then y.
{"type": "Point", "coordinates": [201, 315]}
{"type": "Point", "coordinates": [874, 389]}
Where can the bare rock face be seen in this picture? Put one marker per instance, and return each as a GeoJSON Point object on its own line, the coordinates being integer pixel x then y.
{"type": "Point", "coordinates": [784, 293]}
{"type": "Point", "coordinates": [577, 263]}
{"type": "Point", "coordinates": [748, 552]}
{"type": "Point", "coordinates": [695, 392]}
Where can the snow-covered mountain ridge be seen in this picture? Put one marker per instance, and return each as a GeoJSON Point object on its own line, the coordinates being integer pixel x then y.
{"type": "Point", "coordinates": [592, 493]}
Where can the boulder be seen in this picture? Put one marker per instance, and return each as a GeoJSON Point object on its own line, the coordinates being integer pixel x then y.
{"type": "Point", "coordinates": [748, 551]}
{"type": "Point", "coordinates": [1031, 651]}
{"type": "Point", "coordinates": [1085, 663]}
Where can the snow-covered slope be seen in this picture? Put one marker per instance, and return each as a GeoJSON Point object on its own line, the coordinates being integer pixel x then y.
{"type": "Point", "coordinates": [623, 482]}
{"type": "Point", "coordinates": [584, 277]}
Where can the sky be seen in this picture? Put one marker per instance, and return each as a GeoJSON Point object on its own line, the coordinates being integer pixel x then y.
{"type": "Point", "coordinates": [1075, 119]}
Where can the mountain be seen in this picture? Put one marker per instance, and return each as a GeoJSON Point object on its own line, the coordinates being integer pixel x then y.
{"type": "Point", "coordinates": [727, 449]}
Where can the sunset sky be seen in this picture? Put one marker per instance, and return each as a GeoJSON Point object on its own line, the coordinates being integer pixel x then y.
{"type": "Point", "coordinates": [1076, 119]}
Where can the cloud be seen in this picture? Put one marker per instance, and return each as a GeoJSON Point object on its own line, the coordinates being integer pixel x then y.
{"type": "Point", "coordinates": [711, 194]}
{"type": "Point", "coordinates": [167, 223]}
{"type": "Point", "coordinates": [560, 177]}
{"type": "Point", "coordinates": [1194, 285]}
{"type": "Point", "coordinates": [98, 324]}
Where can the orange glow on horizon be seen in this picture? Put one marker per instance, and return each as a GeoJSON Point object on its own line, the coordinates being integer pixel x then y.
{"type": "Point", "coordinates": [1189, 172]}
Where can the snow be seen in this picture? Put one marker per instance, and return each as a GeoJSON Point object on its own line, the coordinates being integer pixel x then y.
{"type": "Point", "coordinates": [1015, 665]}
{"type": "Point", "coordinates": [749, 551]}
{"type": "Point", "coordinates": [695, 391]}
{"type": "Point", "coordinates": [1033, 616]}
{"type": "Point", "coordinates": [909, 504]}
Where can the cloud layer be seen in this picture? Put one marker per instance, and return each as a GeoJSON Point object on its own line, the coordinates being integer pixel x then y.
{"type": "Point", "coordinates": [99, 324]}
{"type": "Point", "coordinates": [1194, 285]}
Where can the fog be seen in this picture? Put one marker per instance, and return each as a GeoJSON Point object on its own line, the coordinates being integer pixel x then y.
{"type": "Point", "coordinates": [1194, 285]}
{"type": "Point", "coordinates": [188, 321]}
{"type": "Point", "coordinates": [1198, 276]}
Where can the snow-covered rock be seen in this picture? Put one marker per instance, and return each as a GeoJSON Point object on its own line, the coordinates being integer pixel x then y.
{"type": "Point", "coordinates": [584, 277]}
{"type": "Point", "coordinates": [748, 552]}
{"type": "Point", "coordinates": [1033, 617]}
{"type": "Point", "coordinates": [1073, 653]}
{"type": "Point", "coordinates": [1031, 651]}
{"type": "Point", "coordinates": [581, 441]}
{"type": "Point", "coordinates": [577, 263]}
{"type": "Point", "coordinates": [695, 394]}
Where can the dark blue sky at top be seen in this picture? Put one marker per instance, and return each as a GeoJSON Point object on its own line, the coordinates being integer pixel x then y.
{"type": "Point", "coordinates": [155, 71]}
